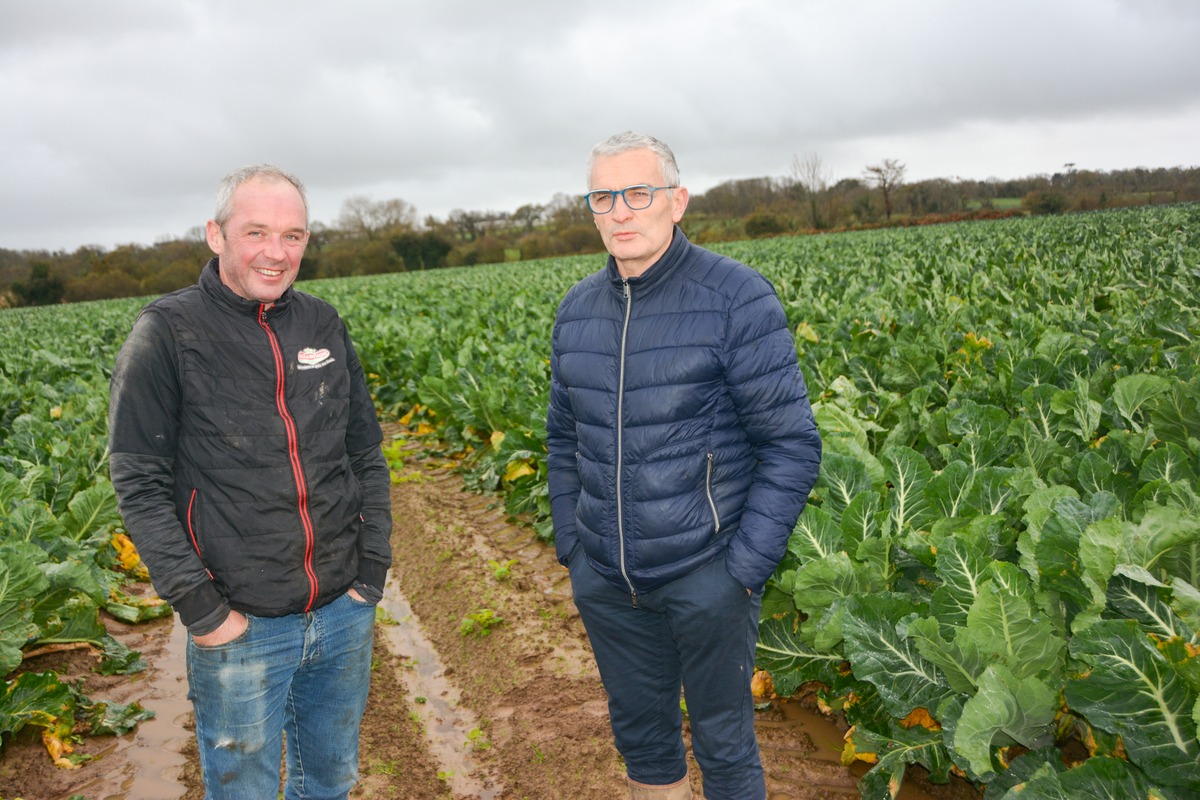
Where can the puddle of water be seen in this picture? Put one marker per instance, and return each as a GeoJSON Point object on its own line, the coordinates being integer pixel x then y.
{"type": "Point", "coordinates": [157, 758]}
{"type": "Point", "coordinates": [445, 722]}
{"type": "Point", "coordinates": [826, 737]}
{"type": "Point", "coordinates": [153, 748]}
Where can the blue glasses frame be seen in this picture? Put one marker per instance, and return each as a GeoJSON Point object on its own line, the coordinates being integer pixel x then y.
{"type": "Point", "coordinates": [611, 194]}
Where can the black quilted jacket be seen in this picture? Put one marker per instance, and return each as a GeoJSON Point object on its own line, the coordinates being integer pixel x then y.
{"type": "Point", "coordinates": [245, 453]}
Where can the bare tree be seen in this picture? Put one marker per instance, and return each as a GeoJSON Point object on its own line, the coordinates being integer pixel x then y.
{"type": "Point", "coordinates": [365, 217]}
{"type": "Point", "coordinates": [811, 175]}
{"type": "Point", "coordinates": [887, 176]}
{"type": "Point", "coordinates": [528, 216]}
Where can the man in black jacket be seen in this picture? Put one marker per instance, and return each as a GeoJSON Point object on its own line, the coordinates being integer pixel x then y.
{"type": "Point", "coordinates": [245, 453]}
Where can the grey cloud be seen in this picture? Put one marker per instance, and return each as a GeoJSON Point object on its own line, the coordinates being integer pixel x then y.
{"type": "Point", "coordinates": [122, 116]}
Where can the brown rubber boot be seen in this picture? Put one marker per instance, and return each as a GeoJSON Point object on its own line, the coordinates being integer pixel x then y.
{"type": "Point", "coordinates": [680, 790]}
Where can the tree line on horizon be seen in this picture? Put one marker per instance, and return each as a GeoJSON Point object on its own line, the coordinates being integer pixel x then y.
{"type": "Point", "coordinates": [372, 237]}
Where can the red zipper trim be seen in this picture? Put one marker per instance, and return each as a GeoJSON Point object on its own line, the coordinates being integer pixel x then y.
{"type": "Point", "coordinates": [293, 446]}
{"type": "Point", "coordinates": [192, 532]}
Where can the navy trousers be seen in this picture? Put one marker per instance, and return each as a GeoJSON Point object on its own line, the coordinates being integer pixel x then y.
{"type": "Point", "coordinates": [699, 633]}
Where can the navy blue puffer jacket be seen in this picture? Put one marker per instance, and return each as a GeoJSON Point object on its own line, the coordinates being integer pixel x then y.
{"type": "Point", "coordinates": [679, 425]}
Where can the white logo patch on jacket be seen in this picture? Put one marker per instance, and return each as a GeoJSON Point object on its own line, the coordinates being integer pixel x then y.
{"type": "Point", "coordinates": [313, 358]}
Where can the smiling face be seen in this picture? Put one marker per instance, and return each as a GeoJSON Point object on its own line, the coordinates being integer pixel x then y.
{"type": "Point", "coordinates": [636, 239]}
{"type": "Point", "coordinates": [262, 242]}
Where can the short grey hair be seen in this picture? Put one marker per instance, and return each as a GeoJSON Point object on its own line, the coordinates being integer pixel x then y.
{"type": "Point", "coordinates": [266, 172]}
{"type": "Point", "coordinates": [631, 140]}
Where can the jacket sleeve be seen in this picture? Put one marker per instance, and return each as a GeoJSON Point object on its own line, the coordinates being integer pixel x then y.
{"type": "Point", "coordinates": [143, 423]}
{"type": "Point", "coordinates": [363, 439]}
{"type": "Point", "coordinates": [561, 463]}
{"type": "Point", "coordinates": [771, 399]}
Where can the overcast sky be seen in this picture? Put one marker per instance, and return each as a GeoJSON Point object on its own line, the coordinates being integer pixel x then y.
{"type": "Point", "coordinates": [119, 117]}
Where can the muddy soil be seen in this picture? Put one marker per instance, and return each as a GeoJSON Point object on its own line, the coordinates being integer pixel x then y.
{"type": "Point", "coordinates": [484, 686]}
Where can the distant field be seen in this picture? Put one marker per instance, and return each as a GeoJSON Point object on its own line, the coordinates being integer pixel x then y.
{"type": "Point", "coordinates": [999, 203]}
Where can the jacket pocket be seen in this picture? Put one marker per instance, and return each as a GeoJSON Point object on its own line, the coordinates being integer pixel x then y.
{"type": "Point", "coordinates": [191, 529]}
{"type": "Point", "coordinates": [708, 492]}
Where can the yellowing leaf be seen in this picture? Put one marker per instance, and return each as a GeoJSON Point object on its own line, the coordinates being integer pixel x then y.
{"type": "Point", "coordinates": [127, 554]}
{"type": "Point", "coordinates": [518, 468]}
{"type": "Point", "coordinates": [807, 333]}
{"type": "Point", "coordinates": [58, 750]}
{"type": "Point", "coordinates": [762, 685]}
{"type": "Point", "coordinates": [497, 438]}
{"type": "Point", "coordinates": [850, 755]}
{"type": "Point", "coordinates": [920, 716]}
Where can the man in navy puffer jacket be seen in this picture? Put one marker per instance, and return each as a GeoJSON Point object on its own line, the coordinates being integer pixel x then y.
{"type": "Point", "coordinates": [682, 449]}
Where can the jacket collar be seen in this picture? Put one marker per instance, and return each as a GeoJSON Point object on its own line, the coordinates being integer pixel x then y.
{"type": "Point", "coordinates": [659, 270]}
{"type": "Point", "coordinates": [211, 285]}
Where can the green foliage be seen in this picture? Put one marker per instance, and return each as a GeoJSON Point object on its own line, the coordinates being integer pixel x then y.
{"type": "Point", "coordinates": [42, 289]}
{"type": "Point", "coordinates": [502, 570]}
{"type": "Point", "coordinates": [479, 623]}
{"type": "Point", "coordinates": [58, 514]}
{"type": "Point", "coordinates": [1002, 550]}
{"type": "Point", "coordinates": [1003, 547]}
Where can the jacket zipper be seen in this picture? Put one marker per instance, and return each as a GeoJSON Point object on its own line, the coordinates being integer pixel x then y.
{"type": "Point", "coordinates": [293, 446]}
{"type": "Point", "coordinates": [708, 491]}
{"type": "Point", "coordinates": [620, 440]}
{"type": "Point", "coordinates": [192, 533]}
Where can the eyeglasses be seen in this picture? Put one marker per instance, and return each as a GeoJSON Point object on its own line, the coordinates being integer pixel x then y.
{"type": "Point", "coordinates": [602, 201]}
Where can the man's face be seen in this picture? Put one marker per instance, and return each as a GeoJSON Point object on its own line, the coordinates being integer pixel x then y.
{"type": "Point", "coordinates": [636, 239]}
{"type": "Point", "coordinates": [261, 244]}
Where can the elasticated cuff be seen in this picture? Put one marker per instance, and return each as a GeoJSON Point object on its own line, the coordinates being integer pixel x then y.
{"type": "Point", "coordinates": [202, 610]}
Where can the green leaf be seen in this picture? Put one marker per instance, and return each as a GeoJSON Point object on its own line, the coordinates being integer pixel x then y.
{"type": "Point", "coordinates": [896, 749]}
{"type": "Point", "coordinates": [38, 699]}
{"type": "Point", "coordinates": [21, 583]}
{"type": "Point", "coordinates": [1058, 553]}
{"type": "Point", "coordinates": [948, 491]}
{"type": "Point", "coordinates": [863, 519]}
{"type": "Point", "coordinates": [109, 719]}
{"type": "Point", "coordinates": [1176, 413]}
{"type": "Point", "coordinates": [92, 512]}
{"type": "Point", "coordinates": [1033, 371]}
{"type": "Point", "coordinates": [881, 655]}
{"type": "Point", "coordinates": [1134, 593]}
{"type": "Point", "coordinates": [1166, 542]}
{"type": "Point", "coordinates": [1094, 779]}
{"type": "Point", "coordinates": [960, 660]}
{"type": "Point", "coordinates": [1081, 414]}
{"type": "Point", "coordinates": [1168, 463]}
{"type": "Point", "coordinates": [815, 536]}
{"type": "Point", "coordinates": [818, 583]}
{"type": "Point", "coordinates": [1134, 391]}
{"type": "Point", "coordinates": [1131, 690]}
{"type": "Point", "coordinates": [991, 491]}
{"type": "Point", "coordinates": [1008, 707]}
{"type": "Point", "coordinates": [962, 567]}
{"type": "Point", "coordinates": [981, 431]}
{"type": "Point", "coordinates": [908, 473]}
{"type": "Point", "coordinates": [792, 662]}
{"type": "Point", "coordinates": [1002, 624]}
{"type": "Point", "coordinates": [842, 479]}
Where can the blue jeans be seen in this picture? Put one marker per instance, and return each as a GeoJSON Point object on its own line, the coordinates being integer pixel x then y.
{"type": "Point", "coordinates": [698, 632]}
{"type": "Point", "coordinates": [307, 674]}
